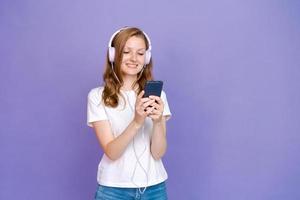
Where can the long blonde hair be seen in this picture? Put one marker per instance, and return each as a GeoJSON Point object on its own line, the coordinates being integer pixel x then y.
{"type": "Point", "coordinates": [111, 92]}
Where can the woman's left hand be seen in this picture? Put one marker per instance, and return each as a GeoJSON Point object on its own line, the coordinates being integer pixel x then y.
{"type": "Point", "coordinates": [157, 109]}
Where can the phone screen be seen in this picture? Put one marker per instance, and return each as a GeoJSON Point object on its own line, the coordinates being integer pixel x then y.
{"type": "Point", "coordinates": [153, 88]}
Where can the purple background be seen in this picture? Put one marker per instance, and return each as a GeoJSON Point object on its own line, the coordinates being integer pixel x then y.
{"type": "Point", "coordinates": [231, 72]}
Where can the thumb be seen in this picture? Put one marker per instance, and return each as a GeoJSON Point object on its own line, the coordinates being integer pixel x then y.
{"type": "Point", "coordinates": [141, 94]}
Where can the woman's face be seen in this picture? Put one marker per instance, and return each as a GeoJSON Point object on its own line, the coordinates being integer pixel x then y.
{"type": "Point", "coordinates": [133, 56]}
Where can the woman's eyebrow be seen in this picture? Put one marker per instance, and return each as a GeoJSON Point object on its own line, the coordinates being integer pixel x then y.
{"type": "Point", "coordinates": [134, 48]}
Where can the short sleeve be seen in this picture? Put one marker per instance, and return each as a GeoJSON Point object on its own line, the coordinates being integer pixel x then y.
{"type": "Point", "coordinates": [167, 113]}
{"type": "Point", "coordinates": [95, 108]}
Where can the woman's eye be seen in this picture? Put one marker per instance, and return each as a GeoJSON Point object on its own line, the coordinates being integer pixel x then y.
{"type": "Point", "coordinates": [141, 54]}
{"type": "Point", "coordinates": [125, 52]}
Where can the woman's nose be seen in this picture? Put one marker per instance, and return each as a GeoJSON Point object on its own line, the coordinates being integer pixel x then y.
{"type": "Point", "coordinates": [133, 56]}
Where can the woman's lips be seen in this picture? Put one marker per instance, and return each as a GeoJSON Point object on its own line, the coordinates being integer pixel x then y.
{"type": "Point", "coordinates": [132, 65]}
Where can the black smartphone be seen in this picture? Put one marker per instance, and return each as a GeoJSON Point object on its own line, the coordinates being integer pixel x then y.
{"type": "Point", "coordinates": [153, 88]}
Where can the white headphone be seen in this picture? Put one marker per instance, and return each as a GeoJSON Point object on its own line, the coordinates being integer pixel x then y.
{"type": "Point", "coordinates": [112, 50]}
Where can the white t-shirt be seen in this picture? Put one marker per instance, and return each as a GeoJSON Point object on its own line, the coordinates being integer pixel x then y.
{"type": "Point", "coordinates": [136, 163]}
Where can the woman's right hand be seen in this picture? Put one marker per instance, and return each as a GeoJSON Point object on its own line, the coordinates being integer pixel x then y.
{"type": "Point", "coordinates": [141, 108]}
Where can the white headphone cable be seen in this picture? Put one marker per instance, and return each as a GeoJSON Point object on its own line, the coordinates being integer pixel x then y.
{"type": "Point", "coordinates": [113, 69]}
{"type": "Point", "coordinates": [141, 72]}
{"type": "Point", "coordinates": [138, 162]}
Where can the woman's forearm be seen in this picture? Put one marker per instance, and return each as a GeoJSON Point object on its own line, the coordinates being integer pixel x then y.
{"type": "Point", "coordinates": [159, 139]}
{"type": "Point", "coordinates": [116, 147]}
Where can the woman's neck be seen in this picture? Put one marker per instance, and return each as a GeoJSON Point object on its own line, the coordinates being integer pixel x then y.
{"type": "Point", "coordinates": [128, 83]}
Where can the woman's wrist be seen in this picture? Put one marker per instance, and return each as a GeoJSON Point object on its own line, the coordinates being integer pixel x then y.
{"type": "Point", "coordinates": [158, 122]}
{"type": "Point", "coordinates": [137, 125]}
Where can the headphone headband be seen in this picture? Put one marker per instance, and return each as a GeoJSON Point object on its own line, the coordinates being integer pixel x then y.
{"type": "Point", "coordinates": [124, 28]}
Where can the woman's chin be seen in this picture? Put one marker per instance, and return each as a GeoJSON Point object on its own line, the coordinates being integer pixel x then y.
{"type": "Point", "coordinates": [131, 71]}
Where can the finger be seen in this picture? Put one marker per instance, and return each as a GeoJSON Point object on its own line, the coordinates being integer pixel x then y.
{"type": "Point", "coordinates": [156, 112]}
{"type": "Point", "coordinates": [145, 99]}
{"type": "Point", "coordinates": [139, 97]}
{"type": "Point", "coordinates": [149, 110]}
{"type": "Point", "coordinates": [158, 99]}
{"type": "Point", "coordinates": [155, 105]}
{"type": "Point", "coordinates": [141, 94]}
{"type": "Point", "coordinates": [148, 103]}
{"type": "Point", "coordinates": [158, 107]}
{"type": "Point", "coordinates": [141, 102]}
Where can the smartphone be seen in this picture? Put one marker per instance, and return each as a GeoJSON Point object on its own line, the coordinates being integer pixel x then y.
{"type": "Point", "coordinates": [153, 88]}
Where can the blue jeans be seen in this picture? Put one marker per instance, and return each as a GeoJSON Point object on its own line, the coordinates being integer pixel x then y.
{"type": "Point", "coordinates": [155, 192]}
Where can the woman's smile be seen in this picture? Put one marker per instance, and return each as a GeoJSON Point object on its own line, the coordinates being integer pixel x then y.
{"type": "Point", "coordinates": [131, 65]}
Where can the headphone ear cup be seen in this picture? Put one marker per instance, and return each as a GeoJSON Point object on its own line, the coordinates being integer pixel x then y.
{"type": "Point", "coordinates": [111, 54]}
{"type": "Point", "coordinates": [147, 57]}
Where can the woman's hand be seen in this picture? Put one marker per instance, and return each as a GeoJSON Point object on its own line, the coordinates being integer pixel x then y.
{"type": "Point", "coordinates": [157, 109]}
{"type": "Point", "coordinates": [142, 109]}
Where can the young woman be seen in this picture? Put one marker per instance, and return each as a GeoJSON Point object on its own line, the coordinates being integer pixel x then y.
{"type": "Point", "coordinates": [130, 129]}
